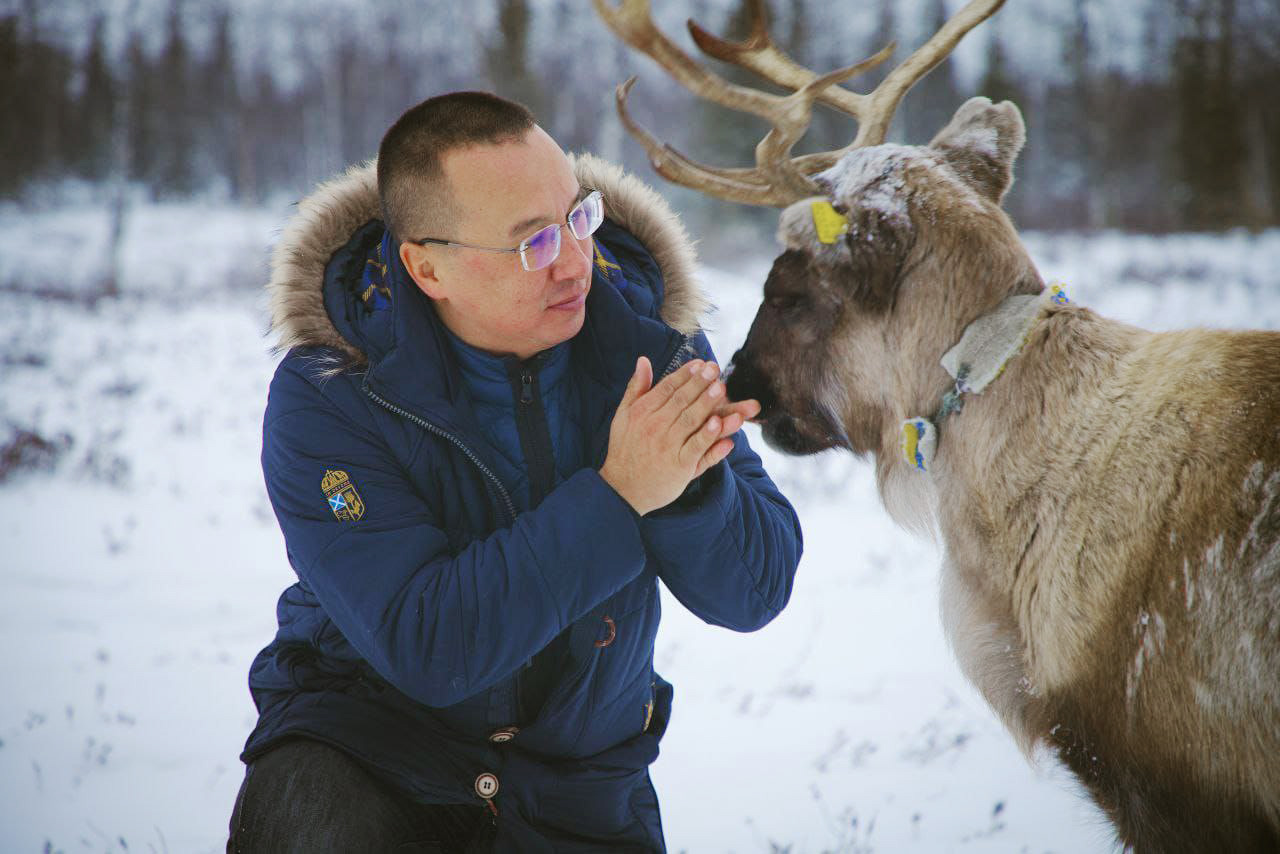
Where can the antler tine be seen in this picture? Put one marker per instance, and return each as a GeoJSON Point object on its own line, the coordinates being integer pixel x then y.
{"type": "Point", "coordinates": [773, 153]}
{"type": "Point", "coordinates": [873, 125]}
{"type": "Point", "coordinates": [759, 53]}
{"type": "Point", "coordinates": [778, 178]}
{"type": "Point", "coordinates": [633, 23]}
{"type": "Point", "coordinates": [774, 181]}
{"type": "Point", "coordinates": [874, 111]}
{"type": "Point", "coordinates": [734, 185]}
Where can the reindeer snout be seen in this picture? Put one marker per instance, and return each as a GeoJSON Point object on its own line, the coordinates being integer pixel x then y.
{"type": "Point", "coordinates": [744, 381]}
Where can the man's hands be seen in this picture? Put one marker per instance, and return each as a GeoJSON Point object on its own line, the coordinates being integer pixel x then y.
{"type": "Point", "coordinates": [665, 436]}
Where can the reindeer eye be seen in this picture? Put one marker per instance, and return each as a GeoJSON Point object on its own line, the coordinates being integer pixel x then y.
{"type": "Point", "coordinates": [783, 301]}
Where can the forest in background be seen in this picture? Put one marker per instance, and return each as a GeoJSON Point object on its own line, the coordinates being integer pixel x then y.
{"type": "Point", "coordinates": [1151, 115]}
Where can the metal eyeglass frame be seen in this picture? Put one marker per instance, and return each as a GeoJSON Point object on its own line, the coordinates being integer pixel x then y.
{"type": "Point", "coordinates": [528, 241]}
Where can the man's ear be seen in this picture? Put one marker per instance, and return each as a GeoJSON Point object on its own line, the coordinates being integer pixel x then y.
{"type": "Point", "coordinates": [417, 261]}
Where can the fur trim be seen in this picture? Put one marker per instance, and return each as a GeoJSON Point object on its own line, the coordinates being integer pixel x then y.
{"type": "Point", "coordinates": [324, 222]}
{"type": "Point", "coordinates": [329, 216]}
{"type": "Point", "coordinates": [639, 209]}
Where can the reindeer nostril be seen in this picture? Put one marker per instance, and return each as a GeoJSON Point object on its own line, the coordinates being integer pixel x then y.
{"type": "Point", "coordinates": [744, 382]}
{"type": "Point", "coordinates": [736, 383]}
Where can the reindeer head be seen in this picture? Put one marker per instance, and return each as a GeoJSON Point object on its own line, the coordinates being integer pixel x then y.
{"type": "Point", "coordinates": [847, 341]}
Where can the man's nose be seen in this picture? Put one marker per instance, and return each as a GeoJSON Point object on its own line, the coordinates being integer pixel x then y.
{"type": "Point", "coordinates": [574, 261]}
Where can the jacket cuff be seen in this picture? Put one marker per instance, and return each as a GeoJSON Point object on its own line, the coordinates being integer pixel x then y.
{"type": "Point", "coordinates": [700, 489]}
{"type": "Point", "coordinates": [707, 500]}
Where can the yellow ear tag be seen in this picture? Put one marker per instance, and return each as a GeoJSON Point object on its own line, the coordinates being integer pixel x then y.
{"type": "Point", "coordinates": [829, 222]}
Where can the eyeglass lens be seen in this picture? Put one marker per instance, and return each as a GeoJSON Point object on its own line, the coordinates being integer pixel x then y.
{"type": "Point", "coordinates": [586, 216]}
{"type": "Point", "coordinates": [544, 246]}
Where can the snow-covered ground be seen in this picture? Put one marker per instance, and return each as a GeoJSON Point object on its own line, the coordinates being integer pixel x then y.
{"type": "Point", "coordinates": [141, 564]}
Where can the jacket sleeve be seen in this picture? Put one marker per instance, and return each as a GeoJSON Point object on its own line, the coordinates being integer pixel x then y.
{"type": "Point", "coordinates": [729, 547]}
{"type": "Point", "coordinates": [438, 625]}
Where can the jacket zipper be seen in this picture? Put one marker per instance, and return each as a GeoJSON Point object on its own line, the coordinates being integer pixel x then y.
{"type": "Point", "coordinates": [686, 342]}
{"type": "Point", "coordinates": [532, 430]}
{"type": "Point", "coordinates": [444, 434]}
{"type": "Point", "coordinates": [534, 684]}
{"type": "Point", "coordinates": [526, 387]}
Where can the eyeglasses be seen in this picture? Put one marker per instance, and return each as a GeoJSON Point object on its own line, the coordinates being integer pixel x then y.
{"type": "Point", "coordinates": [543, 246]}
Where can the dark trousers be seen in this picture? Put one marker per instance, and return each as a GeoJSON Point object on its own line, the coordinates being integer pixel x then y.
{"type": "Point", "coordinates": [304, 796]}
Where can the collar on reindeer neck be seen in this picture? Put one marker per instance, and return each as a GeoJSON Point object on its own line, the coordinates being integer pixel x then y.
{"type": "Point", "coordinates": [987, 345]}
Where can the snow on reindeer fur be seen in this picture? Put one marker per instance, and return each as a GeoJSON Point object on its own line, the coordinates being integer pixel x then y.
{"type": "Point", "coordinates": [877, 178]}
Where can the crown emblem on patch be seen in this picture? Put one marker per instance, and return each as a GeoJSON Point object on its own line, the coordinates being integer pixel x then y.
{"type": "Point", "coordinates": [343, 498]}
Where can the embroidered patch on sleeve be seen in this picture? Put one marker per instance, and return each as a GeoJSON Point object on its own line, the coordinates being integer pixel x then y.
{"type": "Point", "coordinates": [343, 498]}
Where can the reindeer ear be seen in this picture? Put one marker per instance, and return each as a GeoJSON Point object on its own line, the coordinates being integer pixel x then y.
{"type": "Point", "coordinates": [981, 142]}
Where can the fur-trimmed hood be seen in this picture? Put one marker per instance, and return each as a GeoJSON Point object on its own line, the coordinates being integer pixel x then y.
{"type": "Point", "coordinates": [327, 218]}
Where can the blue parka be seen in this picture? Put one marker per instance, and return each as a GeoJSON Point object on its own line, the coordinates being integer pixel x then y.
{"type": "Point", "coordinates": [423, 594]}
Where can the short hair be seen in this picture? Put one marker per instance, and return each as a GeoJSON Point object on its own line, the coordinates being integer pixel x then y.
{"type": "Point", "coordinates": [411, 182]}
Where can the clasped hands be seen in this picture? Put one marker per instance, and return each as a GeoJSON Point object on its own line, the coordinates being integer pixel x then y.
{"type": "Point", "coordinates": [664, 436]}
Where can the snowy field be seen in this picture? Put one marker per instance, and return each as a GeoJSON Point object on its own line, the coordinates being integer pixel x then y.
{"type": "Point", "coordinates": [141, 564]}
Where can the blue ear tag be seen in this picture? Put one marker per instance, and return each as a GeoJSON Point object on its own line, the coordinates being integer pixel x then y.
{"type": "Point", "coordinates": [919, 442]}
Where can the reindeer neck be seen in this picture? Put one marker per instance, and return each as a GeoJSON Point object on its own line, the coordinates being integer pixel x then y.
{"type": "Point", "coordinates": [986, 346]}
{"type": "Point", "coordinates": [994, 455]}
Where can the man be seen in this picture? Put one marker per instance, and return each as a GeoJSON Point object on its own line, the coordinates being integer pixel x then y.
{"type": "Point", "coordinates": [496, 427]}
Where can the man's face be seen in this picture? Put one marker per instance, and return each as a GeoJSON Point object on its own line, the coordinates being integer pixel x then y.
{"type": "Point", "coordinates": [504, 193]}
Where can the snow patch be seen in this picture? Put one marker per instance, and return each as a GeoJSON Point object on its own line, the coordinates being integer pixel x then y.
{"type": "Point", "coordinates": [1151, 633]}
{"type": "Point", "coordinates": [1204, 695]}
{"type": "Point", "coordinates": [1188, 583]}
{"type": "Point", "coordinates": [1258, 545]}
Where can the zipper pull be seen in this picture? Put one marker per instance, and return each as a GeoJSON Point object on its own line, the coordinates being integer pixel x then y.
{"type": "Point", "coordinates": [526, 387]}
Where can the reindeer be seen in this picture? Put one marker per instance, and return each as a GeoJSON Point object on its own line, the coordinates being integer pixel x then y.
{"type": "Point", "coordinates": [1107, 498]}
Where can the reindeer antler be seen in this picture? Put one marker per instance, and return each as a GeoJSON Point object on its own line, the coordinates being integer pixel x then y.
{"type": "Point", "coordinates": [778, 179]}
{"type": "Point", "coordinates": [789, 115]}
